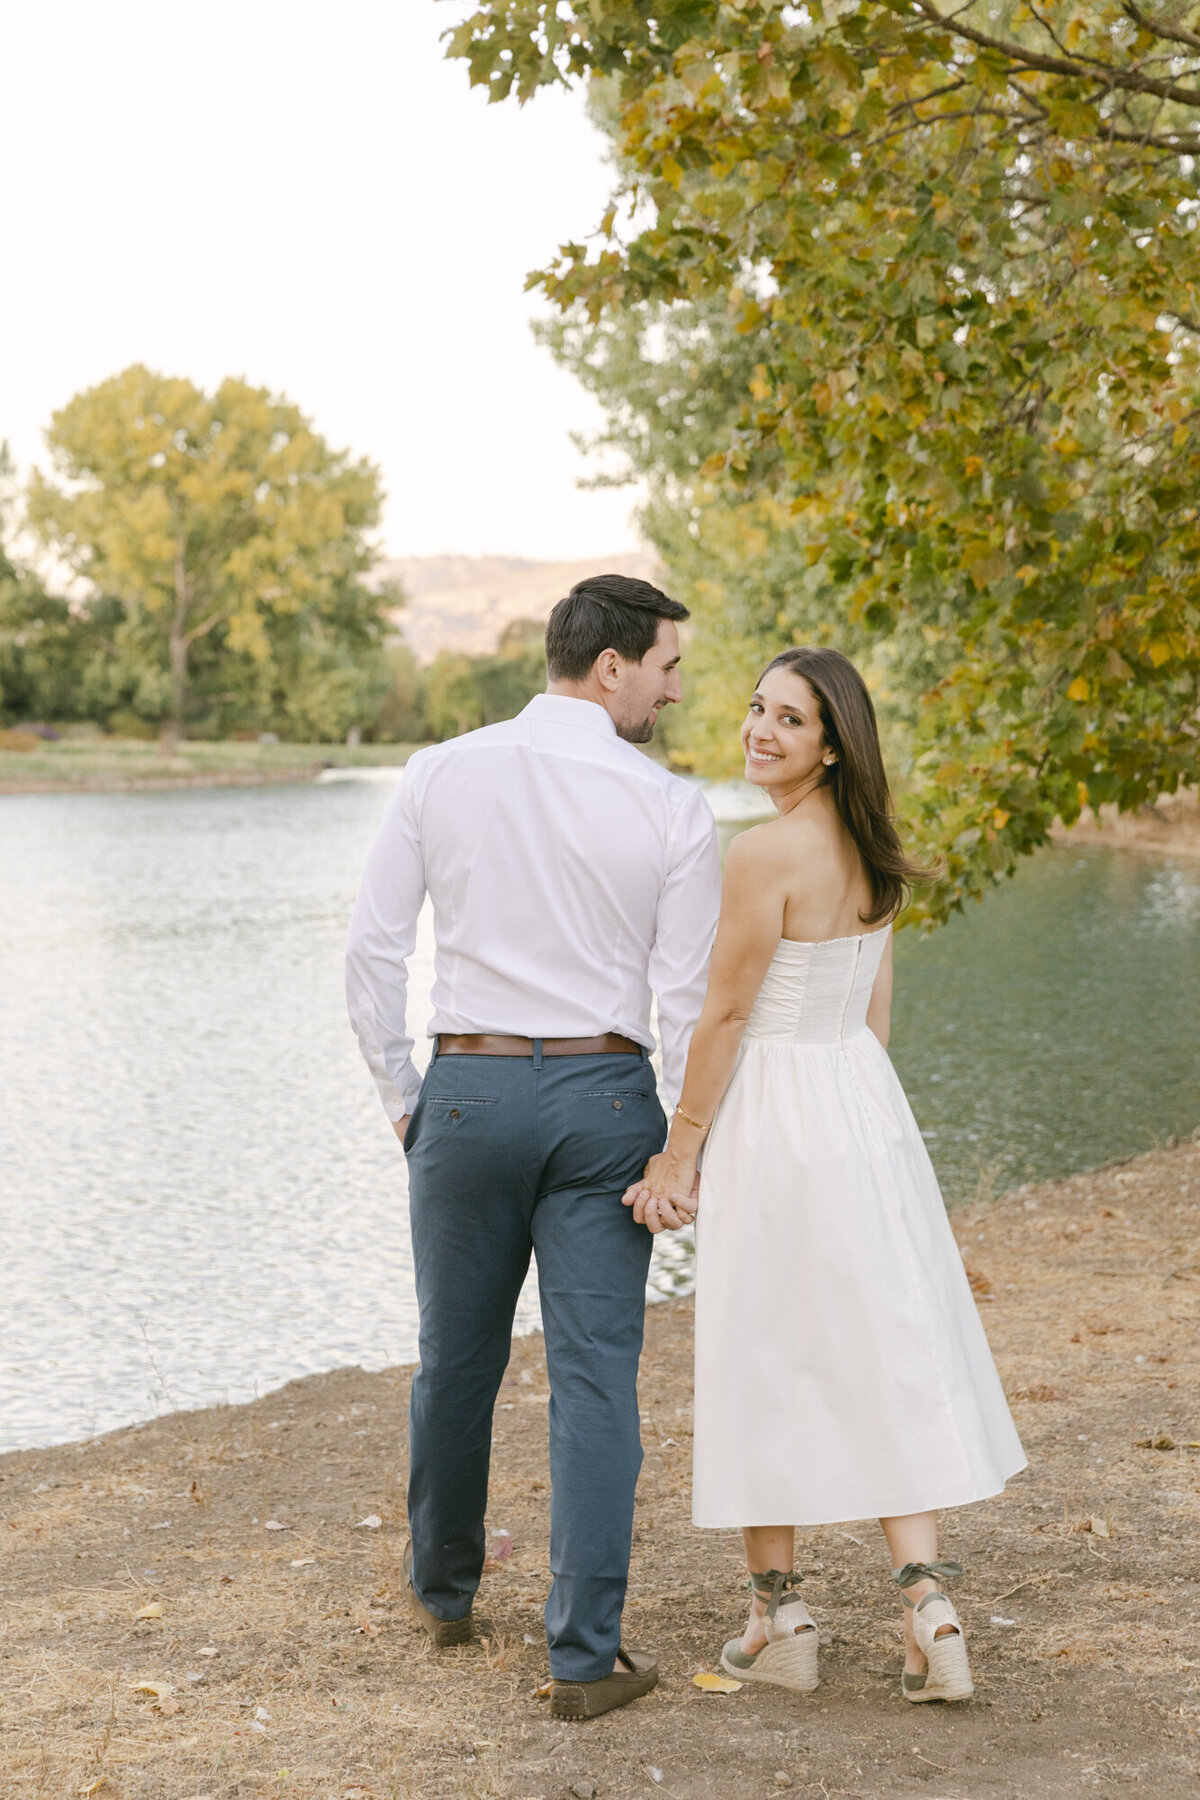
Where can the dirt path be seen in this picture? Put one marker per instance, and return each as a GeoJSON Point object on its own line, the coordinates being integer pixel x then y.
{"type": "Point", "coordinates": [285, 1665]}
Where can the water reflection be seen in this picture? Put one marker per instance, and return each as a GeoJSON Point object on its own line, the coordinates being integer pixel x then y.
{"type": "Point", "coordinates": [199, 1195]}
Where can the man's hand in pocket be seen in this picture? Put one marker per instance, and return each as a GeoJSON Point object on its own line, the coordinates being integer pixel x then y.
{"type": "Point", "coordinates": [400, 1126]}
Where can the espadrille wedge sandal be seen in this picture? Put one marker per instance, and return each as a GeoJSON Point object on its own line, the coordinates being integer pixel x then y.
{"type": "Point", "coordinates": [948, 1676]}
{"type": "Point", "coordinates": [788, 1659]}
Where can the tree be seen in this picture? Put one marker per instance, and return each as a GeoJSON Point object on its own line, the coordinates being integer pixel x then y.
{"type": "Point", "coordinates": [220, 517]}
{"type": "Point", "coordinates": [963, 245]}
{"type": "Point", "coordinates": [464, 692]}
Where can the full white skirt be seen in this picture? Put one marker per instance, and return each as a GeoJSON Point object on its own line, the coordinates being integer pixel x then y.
{"type": "Point", "coordinates": [841, 1368]}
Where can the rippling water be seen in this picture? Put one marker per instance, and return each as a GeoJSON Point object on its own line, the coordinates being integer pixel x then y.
{"type": "Point", "coordinates": [199, 1195]}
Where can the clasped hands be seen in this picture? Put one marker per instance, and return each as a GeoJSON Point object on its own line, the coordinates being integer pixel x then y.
{"type": "Point", "coordinates": [665, 1198]}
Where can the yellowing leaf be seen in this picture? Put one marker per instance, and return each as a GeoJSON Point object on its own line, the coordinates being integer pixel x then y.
{"type": "Point", "coordinates": [160, 1690]}
{"type": "Point", "coordinates": [1000, 818]}
{"type": "Point", "coordinates": [1160, 652]}
{"type": "Point", "coordinates": [1079, 689]}
{"type": "Point", "coordinates": [715, 1684]}
{"type": "Point", "coordinates": [153, 1611]}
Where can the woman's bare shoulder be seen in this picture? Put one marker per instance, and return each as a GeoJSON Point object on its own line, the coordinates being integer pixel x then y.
{"type": "Point", "coordinates": [760, 848]}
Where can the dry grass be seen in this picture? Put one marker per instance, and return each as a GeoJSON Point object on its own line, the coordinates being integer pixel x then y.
{"type": "Point", "coordinates": [293, 1671]}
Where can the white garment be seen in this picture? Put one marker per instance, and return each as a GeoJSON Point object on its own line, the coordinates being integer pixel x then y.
{"type": "Point", "coordinates": [841, 1368]}
{"type": "Point", "coordinates": [569, 875]}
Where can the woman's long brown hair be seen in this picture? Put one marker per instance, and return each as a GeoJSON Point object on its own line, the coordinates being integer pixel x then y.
{"type": "Point", "coordinates": [857, 778]}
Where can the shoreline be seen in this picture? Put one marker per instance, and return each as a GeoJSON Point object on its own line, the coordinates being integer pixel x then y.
{"type": "Point", "coordinates": [245, 1562]}
{"type": "Point", "coordinates": [132, 784]}
{"type": "Point", "coordinates": [1170, 827]}
{"type": "Point", "coordinates": [123, 765]}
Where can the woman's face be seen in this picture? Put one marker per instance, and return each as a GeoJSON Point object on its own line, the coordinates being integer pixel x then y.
{"type": "Point", "coordinates": [783, 739]}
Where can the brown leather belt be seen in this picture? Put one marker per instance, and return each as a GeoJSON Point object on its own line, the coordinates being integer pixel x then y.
{"type": "Point", "coordinates": [490, 1043]}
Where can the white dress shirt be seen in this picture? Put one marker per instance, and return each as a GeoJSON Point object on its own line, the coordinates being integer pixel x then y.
{"type": "Point", "coordinates": [570, 876]}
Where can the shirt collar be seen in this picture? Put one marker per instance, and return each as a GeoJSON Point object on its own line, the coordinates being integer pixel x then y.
{"type": "Point", "coordinates": [564, 709]}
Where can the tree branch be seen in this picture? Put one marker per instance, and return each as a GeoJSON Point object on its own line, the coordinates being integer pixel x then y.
{"type": "Point", "coordinates": [1179, 34]}
{"type": "Point", "coordinates": [202, 630]}
{"type": "Point", "coordinates": [1125, 79]}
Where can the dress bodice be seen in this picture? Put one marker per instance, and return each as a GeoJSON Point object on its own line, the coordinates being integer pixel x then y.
{"type": "Point", "coordinates": [818, 993]}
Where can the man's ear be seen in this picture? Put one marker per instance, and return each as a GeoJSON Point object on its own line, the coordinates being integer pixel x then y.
{"type": "Point", "coordinates": [608, 669]}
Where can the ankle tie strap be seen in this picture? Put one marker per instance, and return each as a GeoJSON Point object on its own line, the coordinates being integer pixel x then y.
{"type": "Point", "coordinates": [914, 1572]}
{"type": "Point", "coordinates": [772, 1586]}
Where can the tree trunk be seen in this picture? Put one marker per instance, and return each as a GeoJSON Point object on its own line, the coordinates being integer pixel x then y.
{"type": "Point", "coordinates": [171, 731]}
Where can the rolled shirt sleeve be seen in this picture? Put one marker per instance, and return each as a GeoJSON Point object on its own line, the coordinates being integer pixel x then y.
{"type": "Point", "coordinates": [383, 933]}
{"type": "Point", "coordinates": [685, 928]}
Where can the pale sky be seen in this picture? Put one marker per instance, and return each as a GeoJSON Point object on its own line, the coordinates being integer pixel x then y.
{"type": "Point", "coordinates": [308, 196]}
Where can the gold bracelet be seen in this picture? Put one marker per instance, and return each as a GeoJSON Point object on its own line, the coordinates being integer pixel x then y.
{"type": "Point", "coordinates": [688, 1120]}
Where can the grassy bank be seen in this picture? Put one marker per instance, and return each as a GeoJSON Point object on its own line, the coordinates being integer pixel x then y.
{"type": "Point", "coordinates": [99, 764]}
{"type": "Point", "coordinates": [201, 1606]}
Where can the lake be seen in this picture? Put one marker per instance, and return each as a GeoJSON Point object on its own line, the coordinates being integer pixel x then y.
{"type": "Point", "coordinates": [200, 1197]}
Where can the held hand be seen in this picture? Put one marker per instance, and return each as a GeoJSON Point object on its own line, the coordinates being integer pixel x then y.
{"type": "Point", "coordinates": [665, 1198]}
{"type": "Point", "coordinates": [400, 1126]}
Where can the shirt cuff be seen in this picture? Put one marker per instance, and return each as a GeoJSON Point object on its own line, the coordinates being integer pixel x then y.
{"type": "Point", "coordinates": [400, 1097]}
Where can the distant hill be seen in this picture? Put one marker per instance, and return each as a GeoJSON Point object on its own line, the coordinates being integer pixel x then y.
{"type": "Point", "coordinates": [464, 602]}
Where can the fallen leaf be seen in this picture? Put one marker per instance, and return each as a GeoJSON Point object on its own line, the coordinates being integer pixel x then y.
{"type": "Point", "coordinates": [544, 1692]}
{"type": "Point", "coordinates": [167, 1707]}
{"type": "Point", "coordinates": [210, 1650]}
{"type": "Point", "coordinates": [260, 1712]}
{"type": "Point", "coordinates": [979, 1282]}
{"type": "Point", "coordinates": [1147, 1443]}
{"type": "Point", "coordinates": [372, 1522]}
{"type": "Point", "coordinates": [303, 1562]}
{"type": "Point", "coordinates": [274, 1525]}
{"type": "Point", "coordinates": [1100, 1527]}
{"type": "Point", "coordinates": [93, 1787]}
{"type": "Point", "coordinates": [367, 1629]}
{"type": "Point", "coordinates": [153, 1611]}
{"type": "Point", "coordinates": [159, 1689]}
{"type": "Point", "coordinates": [715, 1684]}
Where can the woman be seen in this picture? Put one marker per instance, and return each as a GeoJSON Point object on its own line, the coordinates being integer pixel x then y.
{"type": "Point", "coordinates": [841, 1369]}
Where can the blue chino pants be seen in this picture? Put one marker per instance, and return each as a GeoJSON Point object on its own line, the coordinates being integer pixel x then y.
{"type": "Point", "coordinates": [509, 1156]}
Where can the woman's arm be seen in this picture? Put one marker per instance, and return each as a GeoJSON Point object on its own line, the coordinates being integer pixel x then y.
{"type": "Point", "coordinates": [879, 1012]}
{"type": "Point", "coordinates": [748, 934]}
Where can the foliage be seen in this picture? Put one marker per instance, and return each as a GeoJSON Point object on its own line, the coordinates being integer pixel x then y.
{"type": "Point", "coordinates": [962, 245]}
{"type": "Point", "coordinates": [232, 539]}
{"type": "Point", "coordinates": [401, 717]}
{"type": "Point", "coordinates": [464, 692]}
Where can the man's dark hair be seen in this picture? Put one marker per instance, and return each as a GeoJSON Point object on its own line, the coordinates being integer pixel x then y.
{"type": "Point", "coordinates": [605, 612]}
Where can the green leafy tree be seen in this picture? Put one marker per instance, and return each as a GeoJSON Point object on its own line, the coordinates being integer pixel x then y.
{"type": "Point", "coordinates": [225, 527]}
{"type": "Point", "coordinates": [464, 692]}
{"type": "Point", "coordinates": [963, 245]}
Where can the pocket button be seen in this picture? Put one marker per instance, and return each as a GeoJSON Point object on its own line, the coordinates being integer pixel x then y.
{"type": "Point", "coordinates": [617, 1105]}
{"type": "Point", "coordinates": [454, 1113]}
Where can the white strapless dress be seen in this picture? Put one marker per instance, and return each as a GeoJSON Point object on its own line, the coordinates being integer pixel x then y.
{"type": "Point", "coordinates": [841, 1368]}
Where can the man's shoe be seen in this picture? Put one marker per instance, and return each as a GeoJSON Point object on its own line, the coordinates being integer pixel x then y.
{"type": "Point", "coordinates": [444, 1632]}
{"type": "Point", "coordinates": [588, 1699]}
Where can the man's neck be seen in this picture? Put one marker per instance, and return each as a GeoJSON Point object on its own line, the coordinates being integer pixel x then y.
{"type": "Point", "coordinates": [590, 691]}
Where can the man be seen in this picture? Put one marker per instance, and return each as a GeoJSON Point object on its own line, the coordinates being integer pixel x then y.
{"type": "Point", "coordinates": [570, 875]}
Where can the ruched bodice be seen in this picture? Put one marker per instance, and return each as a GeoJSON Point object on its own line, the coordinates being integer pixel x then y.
{"type": "Point", "coordinates": [818, 993]}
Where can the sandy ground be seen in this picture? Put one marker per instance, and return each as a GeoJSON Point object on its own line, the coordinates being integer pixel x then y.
{"type": "Point", "coordinates": [1171, 826]}
{"type": "Point", "coordinates": [211, 1605]}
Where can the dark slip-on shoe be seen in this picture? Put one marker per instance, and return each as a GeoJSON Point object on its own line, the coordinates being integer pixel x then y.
{"type": "Point", "coordinates": [443, 1632]}
{"type": "Point", "coordinates": [588, 1699]}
